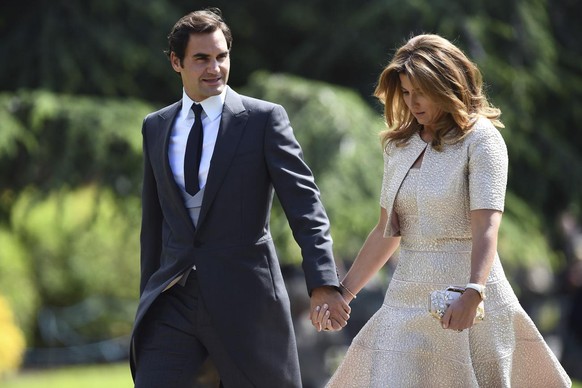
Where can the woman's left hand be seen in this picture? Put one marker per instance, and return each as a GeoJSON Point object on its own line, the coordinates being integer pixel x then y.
{"type": "Point", "coordinates": [320, 318]}
{"type": "Point", "coordinates": [461, 313]}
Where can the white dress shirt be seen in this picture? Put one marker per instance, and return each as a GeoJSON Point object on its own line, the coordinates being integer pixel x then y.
{"type": "Point", "coordinates": [211, 114]}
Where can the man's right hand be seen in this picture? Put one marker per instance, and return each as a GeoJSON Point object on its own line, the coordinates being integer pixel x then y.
{"type": "Point", "coordinates": [329, 310]}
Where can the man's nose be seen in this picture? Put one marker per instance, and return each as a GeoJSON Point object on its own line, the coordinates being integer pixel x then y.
{"type": "Point", "coordinates": [213, 66]}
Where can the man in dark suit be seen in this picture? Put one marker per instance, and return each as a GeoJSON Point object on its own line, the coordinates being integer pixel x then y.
{"type": "Point", "coordinates": [211, 285]}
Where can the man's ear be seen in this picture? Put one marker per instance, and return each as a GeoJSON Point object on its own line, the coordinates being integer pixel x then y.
{"type": "Point", "coordinates": [175, 61]}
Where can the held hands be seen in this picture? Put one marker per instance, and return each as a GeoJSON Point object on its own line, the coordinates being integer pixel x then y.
{"type": "Point", "coordinates": [461, 313]}
{"type": "Point", "coordinates": [329, 310]}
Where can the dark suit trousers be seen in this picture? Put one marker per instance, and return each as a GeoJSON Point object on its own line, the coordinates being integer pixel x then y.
{"type": "Point", "coordinates": [175, 337]}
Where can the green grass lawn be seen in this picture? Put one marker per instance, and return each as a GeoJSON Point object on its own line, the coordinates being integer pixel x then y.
{"type": "Point", "coordinates": [94, 376]}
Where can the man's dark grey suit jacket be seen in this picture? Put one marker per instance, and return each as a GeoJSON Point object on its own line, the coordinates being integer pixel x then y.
{"type": "Point", "coordinates": [240, 279]}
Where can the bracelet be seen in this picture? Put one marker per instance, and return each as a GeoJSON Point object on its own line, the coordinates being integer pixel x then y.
{"type": "Point", "coordinates": [348, 290]}
{"type": "Point", "coordinates": [477, 287]}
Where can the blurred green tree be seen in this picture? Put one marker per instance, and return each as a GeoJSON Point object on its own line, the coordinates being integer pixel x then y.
{"type": "Point", "coordinates": [49, 140]}
{"type": "Point", "coordinates": [70, 213]}
{"type": "Point", "coordinates": [81, 245]}
{"type": "Point", "coordinates": [339, 134]}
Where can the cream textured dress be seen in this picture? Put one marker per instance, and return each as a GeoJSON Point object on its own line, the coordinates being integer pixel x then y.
{"type": "Point", "coordinates": [402, 345]}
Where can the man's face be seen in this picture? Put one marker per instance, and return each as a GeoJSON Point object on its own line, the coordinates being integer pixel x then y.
{"type": "Point", "coordinates": [206, 65]}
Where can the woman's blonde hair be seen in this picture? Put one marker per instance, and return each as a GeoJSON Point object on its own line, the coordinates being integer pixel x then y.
{"type": "Point", "coordinates": [445, 75]}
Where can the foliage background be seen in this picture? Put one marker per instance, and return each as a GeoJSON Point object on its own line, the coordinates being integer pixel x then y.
{"type": "Point", "coordinates": [77, 78]}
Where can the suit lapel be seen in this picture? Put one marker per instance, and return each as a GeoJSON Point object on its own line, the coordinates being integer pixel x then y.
{"type": "Point", "coordinates": [167, 118]}
{"type": "Point", "coordinates": [232, 125]}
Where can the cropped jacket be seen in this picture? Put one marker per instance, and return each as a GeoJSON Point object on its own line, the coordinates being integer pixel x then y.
{"type": "Point", "coordinates": [467, 175]}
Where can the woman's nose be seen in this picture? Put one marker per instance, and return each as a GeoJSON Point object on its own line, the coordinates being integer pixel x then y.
{"type": "Point", "coordinates": [413, 99]}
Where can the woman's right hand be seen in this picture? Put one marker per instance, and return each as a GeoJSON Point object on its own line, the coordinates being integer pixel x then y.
{"type": "Point", "coordinates": [461, 313]}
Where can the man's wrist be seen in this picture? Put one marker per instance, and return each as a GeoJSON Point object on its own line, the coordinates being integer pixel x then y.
{"type": "Point", "coordinates": [325, 287]}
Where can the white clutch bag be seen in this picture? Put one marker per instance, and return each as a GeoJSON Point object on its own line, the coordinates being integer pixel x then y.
{"type": "Point", "coordinates": [440, 300]}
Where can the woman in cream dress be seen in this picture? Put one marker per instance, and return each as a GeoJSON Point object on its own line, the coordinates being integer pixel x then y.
{"type": "Point", "coordinates": [443, 191]}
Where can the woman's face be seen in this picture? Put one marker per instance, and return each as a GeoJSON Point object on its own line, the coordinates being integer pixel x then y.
{"type": "Point", "coordinates": [422, 107]}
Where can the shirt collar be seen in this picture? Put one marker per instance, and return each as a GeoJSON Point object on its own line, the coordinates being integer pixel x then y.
{"type": "Point", "coordinates": [212, 105]}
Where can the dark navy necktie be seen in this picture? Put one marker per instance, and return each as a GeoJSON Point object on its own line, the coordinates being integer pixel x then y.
{"type": "Point", "coordinates": [193, 152]}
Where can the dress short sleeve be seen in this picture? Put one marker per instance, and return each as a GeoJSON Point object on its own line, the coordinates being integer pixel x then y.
{"type": "Point", "coordinates": [487, 169]}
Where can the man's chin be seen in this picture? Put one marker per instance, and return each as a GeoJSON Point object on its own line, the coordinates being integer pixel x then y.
{"type": "Point", "coordinates": [215, 90]}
